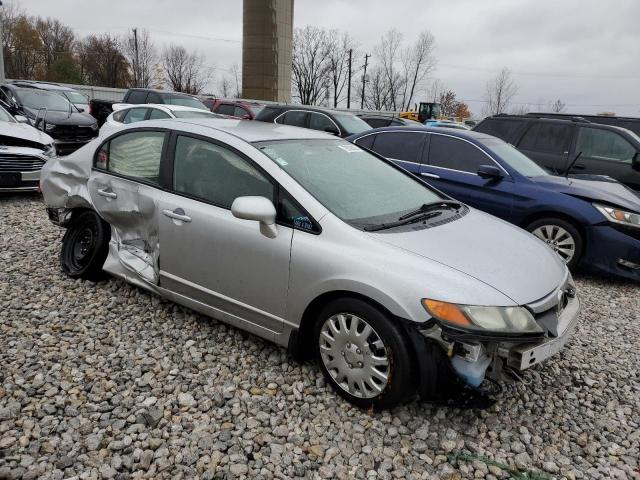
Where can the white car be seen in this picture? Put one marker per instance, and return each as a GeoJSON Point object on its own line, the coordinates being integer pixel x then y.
{"type": "Point", "coordinates": [124, 114]}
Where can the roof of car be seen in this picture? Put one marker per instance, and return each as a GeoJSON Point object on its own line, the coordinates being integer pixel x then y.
{"type": "Point", "coordinates": [247, 130]}
{"type": "Point", "coordinates": [40, 85]}
{"type": "Point", "coordinates": [454, 132]}
{"type": "Point", "coordinates": [117, 107]}
{"type": "Point", "coordinates": [309, 108]}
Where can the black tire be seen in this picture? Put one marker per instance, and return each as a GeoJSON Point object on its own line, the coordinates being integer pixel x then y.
{"type": "Point", "coordinates": [570, 228]}
{"type": "Point", "coordinates": [85, 246]}
{"type": "Point", "coordinates": [400, 385]}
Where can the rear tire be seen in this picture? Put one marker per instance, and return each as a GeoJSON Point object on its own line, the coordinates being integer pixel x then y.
{"type": "Point", "coordinates": [561, 236]}
{"type": "Point", "coordinates": [85, 246]}
{"type": "Point", "coordinates": [363, 354]}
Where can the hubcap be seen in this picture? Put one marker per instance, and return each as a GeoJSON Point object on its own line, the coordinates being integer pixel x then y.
{"type": "Point", "coordinates": [558, 239]}
{"type": "Point", "coordinates": [354, 355]}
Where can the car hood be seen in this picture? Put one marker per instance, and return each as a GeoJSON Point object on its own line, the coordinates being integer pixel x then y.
{"type": "Point", "coordinates": [505, 257]}
{"type": "Point", "coordinates": [64, 118]}
{"type": "Point", "coordinates": [23, 131]}
{"type": "Point", "coordinates": [593, 188]}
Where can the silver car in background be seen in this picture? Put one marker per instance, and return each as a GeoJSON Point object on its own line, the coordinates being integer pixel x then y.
{"type": "Point", "coordinates": [23, 152]}
{"type": "Point", "coordinates": [318, 245]}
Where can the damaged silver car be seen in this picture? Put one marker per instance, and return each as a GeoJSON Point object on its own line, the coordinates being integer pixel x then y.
{"type": "Point", "coordinates": [318, 245]}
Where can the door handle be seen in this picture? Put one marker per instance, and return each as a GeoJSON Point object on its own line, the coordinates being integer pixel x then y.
{"type": "Point", "coordinates": [177, 214]}
{"type": "Point", "coordinates": [106, 193]}
{"type": "Point", "coordinates": [430, 175]}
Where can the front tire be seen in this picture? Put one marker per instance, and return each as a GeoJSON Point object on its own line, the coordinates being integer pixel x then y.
{"type": "Point", "coordinates": [562, 237]}
{"type": "Point", "coordinates": [363, 354]}
{"type": "Point", "coordinates": [85, 246]}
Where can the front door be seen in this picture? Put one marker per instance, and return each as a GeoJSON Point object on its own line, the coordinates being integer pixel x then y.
{"type": "Point", "coordinates": [212, 257]}
{"type": "Point", "coordinates": [452, 167]}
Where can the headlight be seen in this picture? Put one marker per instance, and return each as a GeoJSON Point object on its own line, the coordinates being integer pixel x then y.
{"type": "Point", "coordinates": [50, 151]}
{"type": "Point", "coordinates": [617, 215]}
{"type": "Point", "coordinates": [94, 126]}
{"type": "Point", "coordinates": [494, 319]}
{"type": "Point", "coordinates": [49, 127]}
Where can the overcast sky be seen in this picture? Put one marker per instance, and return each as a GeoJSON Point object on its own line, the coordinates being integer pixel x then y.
{"type": "Point", "coordinates": [584, 52]}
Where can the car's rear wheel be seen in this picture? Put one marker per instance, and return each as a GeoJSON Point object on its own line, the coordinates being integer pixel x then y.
{"type": "Point", "coordinates": [563, 237]}
{"type": "Point", "coordinates": [85, 246]}
{"type": "Point", "coordinates": [363, 354]}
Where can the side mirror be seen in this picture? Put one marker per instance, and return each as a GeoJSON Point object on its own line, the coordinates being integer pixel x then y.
{"type": "Point", "coordinates": [490, 172]}
{"type": "Point", "coordinates": [332, 131]}
{"type": "Point", "coordinates": [260, 209]}
{"type": "Point", "coordinates": [22, 119]}
{"type": "Point", "coordinates": [635, 163]}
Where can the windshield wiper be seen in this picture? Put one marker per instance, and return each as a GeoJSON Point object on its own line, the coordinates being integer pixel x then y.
{"type": "Point", "coordinates": [566, 173]}
{"type": "Point", "coordinates": [427, 207]}
{"type": "Point", "coordinates": [412, 219]}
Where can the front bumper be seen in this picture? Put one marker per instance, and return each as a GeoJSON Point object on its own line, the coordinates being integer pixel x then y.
{"type": "Point", "coordinates": [613, 250]}
{"type": "Point", "coordinates": [27, 182]}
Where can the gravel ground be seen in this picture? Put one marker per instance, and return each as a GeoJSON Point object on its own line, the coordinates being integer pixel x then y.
{"type": "Point", "coordinates": [108, 381]}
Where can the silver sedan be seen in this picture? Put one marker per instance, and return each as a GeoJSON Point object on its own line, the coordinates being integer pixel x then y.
{"type": "Point", "coordinates": [319, 246]}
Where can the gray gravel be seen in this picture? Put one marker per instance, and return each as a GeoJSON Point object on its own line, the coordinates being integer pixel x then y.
{"type": "Point", "coordinates": [108, 381]}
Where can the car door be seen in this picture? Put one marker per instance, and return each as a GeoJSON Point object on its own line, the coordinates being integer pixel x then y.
{"type": "Point", "coordinates": [402, 147]}
{"type": "Point", "coordinates": [124, 187]}
{"type": "Point", "coordinates": [451, 164]}
{"type": "Point", "coordinates": [209, 255]}
{"type": "Point", "coordinates": [606, 152]}
{"type": "Point", "coordinates": [547, 143]}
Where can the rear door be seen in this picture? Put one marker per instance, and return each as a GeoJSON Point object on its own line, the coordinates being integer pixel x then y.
{"type": "Point", "coordinates": [124, 187]}
{"type": "Point", "coordinates": [606, 152]}
{"type": "Point", "coordinates": [452, 164]}
{"type": "Point", "coordinates": [547, 143]}
{"type": "Point", "coordinates": [212, 257]}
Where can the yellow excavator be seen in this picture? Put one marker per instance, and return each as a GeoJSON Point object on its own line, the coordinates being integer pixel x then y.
{"type": "Point", "coordinates": [425, 111]}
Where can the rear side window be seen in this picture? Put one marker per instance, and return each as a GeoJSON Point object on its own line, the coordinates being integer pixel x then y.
{"type": "Point", "coordinates": [225, 109]}
{"type": "Point", "coordinates": [239, 112]}
{"type": "Point", "coordinates": [505, 129]}
{"type": "Point", "coordinates": [377, 122]}
{"type": "Point", "coordinates": [137, 96]}
{"type": "Point", "coordinates": [135, 155]}
{"type": "Point", "coordinates": [157, 114]}
{"type": "Point", "coordinates": [604, 145]}
{"type": "Point", "coordinates": [546, 137]}
{"type": "Point", "coordinates": [400, 145]}
{"type": "Point", "coordinates": [456, 154]}
{"type": "Point", "coordinates": [317, 121]}
{"type": "Point", "coordinates": [119, 116]}
{"type": "Point", "coordinates": [208, 103]}
{"type": "Point", "coordinates": [135, 115]}
{"type": "Point", "coordinates": [295, 118]}
{"type": "Point", "coordinates": [216, 174]}
{"type": "Point", "coordinates": [366, 141]}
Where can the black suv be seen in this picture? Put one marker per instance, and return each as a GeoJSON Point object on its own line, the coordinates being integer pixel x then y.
{"type": "Point", "coordinates": [630, 123]}
{"type": "Point", "coordinates": [52, 113]}
{"type": "Point", "coordinates": [555, 143]}
{"type": "Point", "coordinates": [341, 124]}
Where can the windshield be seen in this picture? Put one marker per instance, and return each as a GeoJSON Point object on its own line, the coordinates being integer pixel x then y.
{"type": "Point", "coordinates": [75, 97]}
{"type": "Point", "coordinates": [516, 160]}
{"type": "Point", "coordinates": [37, 99]}
{"type": "Point", "coordinates": [356, 186]}
{"type": "Point", "coordinates": [5, 116]}
{"type": "Point", "coordinates": [192, 114]}
{"type": "Point", "coordinates": [352, 124]}
{"type": "Point", "coordinates": [185, 101]}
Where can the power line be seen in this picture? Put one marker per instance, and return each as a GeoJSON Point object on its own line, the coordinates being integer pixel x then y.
{"type": "Point", "coordinates": [540, 74]}
{"type": "Point", "coordinates": [567, 104]}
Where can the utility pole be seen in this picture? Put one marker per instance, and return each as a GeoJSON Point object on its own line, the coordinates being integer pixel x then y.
{"type": "Point", "coordinates": [1, 51]}
{"type": "Point", "coordinates": [349, 81]}
{"type": "Point", "coordinates": [136, 67]}
{"type": "Point", "coordinates": [364, 79]}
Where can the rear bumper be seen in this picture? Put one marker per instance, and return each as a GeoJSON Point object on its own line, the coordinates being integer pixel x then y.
{"type": "Point", "coordinates": [29, 182]}
{"type": "Point", "coordinates": [613, 251]}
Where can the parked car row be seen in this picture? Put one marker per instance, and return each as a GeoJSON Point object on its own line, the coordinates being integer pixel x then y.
{"type": "Point", "coordinates": [319, 245]}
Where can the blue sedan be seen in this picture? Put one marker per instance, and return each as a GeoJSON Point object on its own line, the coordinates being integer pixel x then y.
{"type": "Point", "coordinates": [592, 221]}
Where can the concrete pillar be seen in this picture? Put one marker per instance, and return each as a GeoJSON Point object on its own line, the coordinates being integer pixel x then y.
{"type": "Point", "coordinates": [267, 29]}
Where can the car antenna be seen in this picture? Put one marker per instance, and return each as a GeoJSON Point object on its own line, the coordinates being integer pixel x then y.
{"type": "Point", "coordinates": [566, 173]}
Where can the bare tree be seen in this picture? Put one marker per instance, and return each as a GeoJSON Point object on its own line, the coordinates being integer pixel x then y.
{"type": "Point", "coordinates": [558, 106]}
{"type": "Point", "coordinates": [102, 62]}
{"type": "Point", "coordinates": [142, 56]}
{"type": "Point", "coordinates": [376, 91]}
{"type": "Point", "coordinates": [339, 46]}
{"type": "Point", "coordinates": [387, 52]}
{"type": "Point", "coordinates": [225, 86]}
{"type": "Point", "coordinates": [418, 62]}
{"type": "Point", "coordinates": [57, 40]}
{"type": "Point", "coordinates": [185, 72]}
{"type": "Point", "coordinates": [237, 79]}
{"type": "Point", "coordinates": [310, 65]}
{"type": "Point", "coordinates": [500, 91]}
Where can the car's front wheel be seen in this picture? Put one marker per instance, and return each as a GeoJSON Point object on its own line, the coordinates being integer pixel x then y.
{"type": "Point", "coordinates": [563, 237]}
{"type": "Point", "coordinates": [363, 354]}
{"type": "Point", "coordinates": [85, 246]}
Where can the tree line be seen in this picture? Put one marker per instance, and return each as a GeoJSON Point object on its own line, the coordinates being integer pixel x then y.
{"type": "Point", "coordinates": [45, 49]}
